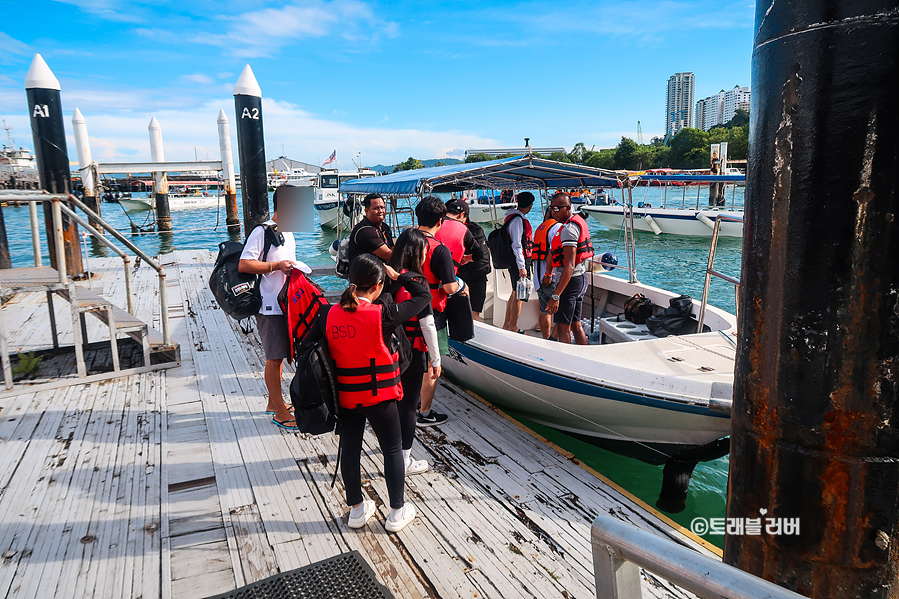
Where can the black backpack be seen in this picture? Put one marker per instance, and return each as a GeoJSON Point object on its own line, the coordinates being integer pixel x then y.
{"type": "Point", "coordinates": [237, 293]}
{"type": "Point", "coordinates": [637, 309]}
{"type": "Point", "coordinates": [313, 390]}
{"type": "Point", "coordinates": [676, 319]}
{"type": "Point", "coordinates": [500, 243]}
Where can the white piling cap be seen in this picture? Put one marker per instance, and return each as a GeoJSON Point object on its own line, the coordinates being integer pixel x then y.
{"type": "Point", "coordinates": [40, 76]}
{"type": "Point", "coordinates": [78, 118]}
{"type": "Point", "coordinates": [154, 125]}
{"type": "Point", "coordinates": [247, 84]}
{"type": "Point", "coordinates": [223, 118]}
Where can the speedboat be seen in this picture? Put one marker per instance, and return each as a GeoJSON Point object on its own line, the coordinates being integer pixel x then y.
{"type": "Point", "coordinates": [183, 195]}
{"type": "Point", "coordinates": [672, 219]}
{"type": "Point", "coordinates": [336, 209]}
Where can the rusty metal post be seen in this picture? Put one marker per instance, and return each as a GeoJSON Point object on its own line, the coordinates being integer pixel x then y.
{"type": "Point", "coordinates": [5, 259]}
{"type": "Point", "coordinates": [47, 128]}
{"type": "Point", "coordinates": [231, 217]}
{"type": "Point", "coordinates": [817, 376]}
{"type": "Point", "coordinates": [251, 150]}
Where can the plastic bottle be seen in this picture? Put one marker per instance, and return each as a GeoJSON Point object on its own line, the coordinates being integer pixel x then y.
{"type": "Point", "coordinates": [524, 289]}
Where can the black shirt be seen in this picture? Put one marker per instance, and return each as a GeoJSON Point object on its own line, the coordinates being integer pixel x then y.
{"type": "Point", "coordinates": [367, 237]}
{"type": "Point", "coordinates": [480, 253]}
{"type": "Point", "coordinates": [442, 264]}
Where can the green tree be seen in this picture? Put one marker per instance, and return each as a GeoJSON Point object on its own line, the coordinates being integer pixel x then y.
{"type": "Point", "coordinates": [625, 154]}
{"type": "Point", "coordinates": [740, 118]}
{"type": "Point", "coordinates": [601, 159]}
{"type": "Point", "coordinates": [479, 157]}
{"type": "Point", "coordinates": [686, 146]}
{"type": "Point", "coordinates": [560, 157]}
{"type": "Point", "coordinates": [577, 153]}
{"type": "Point", "coordinates": [409, 165]}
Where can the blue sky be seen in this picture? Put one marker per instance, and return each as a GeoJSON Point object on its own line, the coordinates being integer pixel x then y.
{"type": "Point", "coordinates": [389, 80]}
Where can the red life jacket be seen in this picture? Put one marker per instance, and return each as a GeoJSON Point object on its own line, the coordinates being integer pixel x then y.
{"type": "Point", "coordinates": [584, 246]}
{"type": "Point", "coordinates": [413, 327]}
{"type": "Point", "coordinates": [367, 371]}
{"type": "Point", "coordinates": [540, 248]}
{"type": "Point", "coordinates": [452, 235]}
{"type": "Point", "coordinates": [438, 295]}
{"type": "Point", "coordinates": [300, 299]}
{"type": "Point", "coordinates": [526, 234]}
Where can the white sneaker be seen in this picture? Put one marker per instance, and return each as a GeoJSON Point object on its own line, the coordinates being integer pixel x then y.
{"type": "Point", "coordinates": [403, 517]}
{"type": "Point", "coordinates": [368, 509]}
{"type": "Point", "coordinates": [416, 466]}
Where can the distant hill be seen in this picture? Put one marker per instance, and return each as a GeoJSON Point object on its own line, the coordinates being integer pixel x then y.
{"type": "Point", "coordinates": [389, 168]}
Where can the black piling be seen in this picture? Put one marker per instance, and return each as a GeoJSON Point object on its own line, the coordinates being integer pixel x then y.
{"type": "Point", "coordinates": [5, 259]}
{"type": "Point", "coordinates": [45, 107]}
{"type": "Point", "coordinates": [817, 377]}
{"type": "Point", "coordinates": [160, 182]}
{"type": "Point", "coordinates": [251, 150]}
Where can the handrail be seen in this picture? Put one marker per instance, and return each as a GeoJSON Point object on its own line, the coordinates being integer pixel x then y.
{"type": "Point", "coordinates": [126, 259]}
{"type": "Point", "coordinates": [621, 549]}
{"type": "Point", "coordinates": [709, 270]}
{"type": "Point", "coordinates": [57, 199]}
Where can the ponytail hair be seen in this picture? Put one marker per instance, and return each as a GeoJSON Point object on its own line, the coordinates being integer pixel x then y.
{"type": "Point", "coordinates": [366, 271]}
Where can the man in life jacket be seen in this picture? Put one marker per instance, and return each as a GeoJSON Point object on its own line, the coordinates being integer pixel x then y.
{"type": "Point", "coordinates": [274, 266]}
{"type": "Point", "coordinates": [440, 272]}
{"type": "Point", "coordinates": [518, 227]}
{"type": "Point", "coordinates": [455, 235]}
{"type": "Point", "coordinates": [569, 249]}
{"type": "Point", "coordinates": [541, 260]}
{"type": "Point", "coordinates": [473, 272]}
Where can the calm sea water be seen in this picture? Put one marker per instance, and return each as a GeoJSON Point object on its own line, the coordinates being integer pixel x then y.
{"type": "Point", "coordinates": [671, 262]}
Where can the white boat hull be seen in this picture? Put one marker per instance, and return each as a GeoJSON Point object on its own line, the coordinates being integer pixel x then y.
{"type": "Point", "coordinates": [487, 213]}
{"type": "Point", "coordinates": [330, 215]}
{"type": "Point", "coordinates": [175, 203]}
{"type": "Point", "coordinates": [671, 221]}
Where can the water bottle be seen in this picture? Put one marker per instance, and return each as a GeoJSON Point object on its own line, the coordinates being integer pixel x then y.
{"type": "Point", "coordinates": [524, 288]}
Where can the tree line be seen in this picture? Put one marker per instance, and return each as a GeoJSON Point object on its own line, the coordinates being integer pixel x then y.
{"type": "Point", "coordinates": [688, 149]}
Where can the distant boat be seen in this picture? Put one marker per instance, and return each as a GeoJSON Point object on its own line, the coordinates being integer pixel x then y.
{"type": "Point", "coordinates": [296, 177]}
{"type": "Point", "coordinates": [183, 195]}
{"type": "Point", "coordinates": [335, 209]}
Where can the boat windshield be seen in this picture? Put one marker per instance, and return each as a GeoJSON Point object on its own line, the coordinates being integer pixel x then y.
{"type": "Point", "coordinates": [329, 182]}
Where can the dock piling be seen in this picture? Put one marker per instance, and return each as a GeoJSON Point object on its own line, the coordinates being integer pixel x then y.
{"type": "Point", "coordinates": [86, 164]}
{"type": "Point", "coordinates": [251, 150]}
{"type": "Point", "coordinates": [160, 181]}
{"type": "Point", "coordinates": [231, 218]}
{"type": "Point", "coordinates": [47, 128]}
{"type": "Point", "coordinates": [815, 438]}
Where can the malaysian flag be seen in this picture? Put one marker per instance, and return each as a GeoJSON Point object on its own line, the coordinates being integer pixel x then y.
{"type": "Point", "coordinates": [331, 158]}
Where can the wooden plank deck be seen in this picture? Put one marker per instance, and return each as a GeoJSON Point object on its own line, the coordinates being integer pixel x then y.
{"type": "Point", "coordinates": [176, 484]}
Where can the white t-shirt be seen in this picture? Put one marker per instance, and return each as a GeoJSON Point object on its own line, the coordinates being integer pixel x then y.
{"type": "Point", "coordinates": [271, 283]}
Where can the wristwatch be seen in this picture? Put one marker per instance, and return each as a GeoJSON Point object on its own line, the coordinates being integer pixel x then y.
{"type": "Point", "coordinates": [555, 297]}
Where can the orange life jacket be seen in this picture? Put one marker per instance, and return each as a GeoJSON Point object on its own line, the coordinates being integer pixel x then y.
{"type": "Point", "coordinates": [526, 234]}
{"type": "Point", "coordinates": [367, 371]}
{"type": "Point", "coordinates": [438, 295]}
{"type": "Point", "coordinates": [413, 327]}
{"type": "Point", "coordinates": [452, 235]}
{"type": "Point", "coordinates": [540, 248]}
{"type": "Point", "coordinates": [584, 246]}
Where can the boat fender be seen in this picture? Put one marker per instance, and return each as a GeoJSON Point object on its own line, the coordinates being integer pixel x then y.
{"type": "Point", "coordinates": [652, 224]}
{"type": "Point", "coordinates": [705, 220]}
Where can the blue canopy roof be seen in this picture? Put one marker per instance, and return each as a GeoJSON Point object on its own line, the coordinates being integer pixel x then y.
{"type": "Point", "coordinates": [522, 172]}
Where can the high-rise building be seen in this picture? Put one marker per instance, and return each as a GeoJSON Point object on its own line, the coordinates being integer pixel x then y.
{"type": "Point", "coordinates": [720, 108]}
{"type": "Point", "coordinates": [679, 113]}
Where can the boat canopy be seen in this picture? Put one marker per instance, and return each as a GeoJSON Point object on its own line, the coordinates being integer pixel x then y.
{"type": "Point", "coordinates": [699, 178]}
{"type": "Point", "coordinates": [522, 172]}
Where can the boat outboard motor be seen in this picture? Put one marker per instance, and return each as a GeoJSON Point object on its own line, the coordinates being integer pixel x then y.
{"type": "Point", "coordinates": [679, 469]}
{"type": "Point", "coordinates": [608, 261]}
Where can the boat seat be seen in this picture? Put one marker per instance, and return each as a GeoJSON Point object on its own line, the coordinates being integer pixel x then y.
{"type": "Point", "coordinates": [613, 329]}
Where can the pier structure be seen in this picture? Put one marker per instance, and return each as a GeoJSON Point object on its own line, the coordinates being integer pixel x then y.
{"type": "Point", "coordinates": [45, 109]}
{"type": "Point", "coordinates": [160, 182]}
{"type": "Point", "coordinates": [231, 218]}
{"type": "Point", "coordinates": [175, 483]}
{"type": "Point", "coordinates": [86, 165]}
{"type": "Point", "coordinates": [251, 150]}
{"type": "Point", "coordinates": [815, 434]}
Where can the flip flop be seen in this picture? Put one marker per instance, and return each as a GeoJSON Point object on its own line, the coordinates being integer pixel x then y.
{"type": "Point", "coordinates": [272, 412]}
{"type": "Point", "coordinates": [285, 426]}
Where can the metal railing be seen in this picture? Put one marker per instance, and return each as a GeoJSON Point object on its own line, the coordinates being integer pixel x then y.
{"type": "Point", "coordinates": [621, 549]}
{"type": "Point", "coordinates": [710, 271]}
{"type": "Point", "coordinates": [59, 208]}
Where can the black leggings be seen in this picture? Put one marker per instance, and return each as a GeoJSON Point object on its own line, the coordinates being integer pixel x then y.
{"type": "Point", "coordinates": [385, 421]}
{"type": "Point", "coordinates": [408, 406]}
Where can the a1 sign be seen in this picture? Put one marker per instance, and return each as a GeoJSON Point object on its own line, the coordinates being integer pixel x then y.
{"type": "Point", "coordinates": [248, 114]}
{"type": "Point", "coordinates": [41, 110]}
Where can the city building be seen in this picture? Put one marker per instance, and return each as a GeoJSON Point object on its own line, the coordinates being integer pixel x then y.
{"type": "Point", "coordinates": [679, 105]}
{"type": "Point", "coordinates": [720, 108]}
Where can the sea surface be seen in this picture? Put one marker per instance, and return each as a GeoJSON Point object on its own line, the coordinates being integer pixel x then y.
{"type": "Point", "coordinates": [676, 263]}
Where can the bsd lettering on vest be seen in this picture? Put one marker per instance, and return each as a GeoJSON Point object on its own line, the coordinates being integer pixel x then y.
{"type": "Point", "coordinates": [343, 332]}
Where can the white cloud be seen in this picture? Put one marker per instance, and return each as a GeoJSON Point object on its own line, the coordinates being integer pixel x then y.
{"type": "Point", "coordinates": [264, 32]}
{"type": "Point", "coordinates": [197, 78]}
{"type": "Point", "coordinates": [111, 10]}
{"type": "Point", "coordinates": [10, 45]}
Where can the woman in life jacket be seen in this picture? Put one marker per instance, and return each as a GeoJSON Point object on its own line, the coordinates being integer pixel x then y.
{"type": "Point", "coordinates": [361, 341]}
{"type": "Point", "coordinates": [408, 257]}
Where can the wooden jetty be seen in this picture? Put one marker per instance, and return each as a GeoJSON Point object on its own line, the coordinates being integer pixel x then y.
{"type": "Point", "coordinates": [175, 484]}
